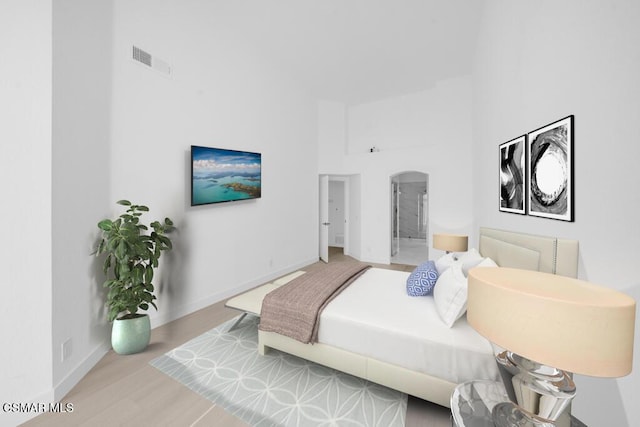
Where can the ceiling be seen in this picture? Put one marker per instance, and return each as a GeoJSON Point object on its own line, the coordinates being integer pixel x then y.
{"type": "Point", "coordinates": [357, 51]}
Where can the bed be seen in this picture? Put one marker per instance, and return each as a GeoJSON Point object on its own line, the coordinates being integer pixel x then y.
{"type": "Point", "coordinates": [421, 356]}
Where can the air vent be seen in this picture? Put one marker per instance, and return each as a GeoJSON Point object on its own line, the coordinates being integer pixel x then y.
{"type": "Point", "coordinates": [147, 59]}
{"type": "Point", "coordinates": [141, 56]}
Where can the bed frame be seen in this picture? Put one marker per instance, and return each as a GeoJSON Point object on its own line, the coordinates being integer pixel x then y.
{"type": "Point", "coordinates": [508, 249]}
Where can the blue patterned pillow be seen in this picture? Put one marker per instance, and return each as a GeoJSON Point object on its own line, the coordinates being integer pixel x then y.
{"type": "Point", "coordinates": [422, 280]}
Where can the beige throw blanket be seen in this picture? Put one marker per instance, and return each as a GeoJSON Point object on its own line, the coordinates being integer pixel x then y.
{"type": "Point", "coordinates": [294, 309]}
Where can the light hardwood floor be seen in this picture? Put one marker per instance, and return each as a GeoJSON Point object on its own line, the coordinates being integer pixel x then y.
{"type": "Point", "coordinates": [127, 391]}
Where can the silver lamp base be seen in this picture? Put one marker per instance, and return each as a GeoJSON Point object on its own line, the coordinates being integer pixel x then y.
{"type": "Point", "coordinates": [508, 414]}
{"type": "Point", "coordinates": [539, 394]}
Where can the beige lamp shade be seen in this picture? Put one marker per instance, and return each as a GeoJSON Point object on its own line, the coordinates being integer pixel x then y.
{"type": "Point", "coordinates": [450, 242]}
{"type": "Point", "coordinates": [558, 321]}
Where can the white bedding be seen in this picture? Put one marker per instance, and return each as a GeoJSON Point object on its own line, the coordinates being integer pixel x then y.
{"type": "Point", "coordinates": [376, 309]}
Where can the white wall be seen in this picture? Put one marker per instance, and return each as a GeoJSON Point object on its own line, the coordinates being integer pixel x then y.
{"type": "Point", "coordinates": [221, 93]}
{"type": "Point", "coordinates": [540, 61]}
{"type": "Point", "coordinates": [354, 191]}
{"type": "Point", "coordinates": [332, 136]}
{"type": "Point", "coordinates": [82, 45]}
{"type": "Point", "coordinates": [120, 130]}
{"type": "Point", "coordinates": [25, 183]}
{"type": "Point", "coordinates": [427, 131]}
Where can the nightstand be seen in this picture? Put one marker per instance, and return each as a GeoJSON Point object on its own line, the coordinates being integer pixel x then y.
{"type": "Point", "coordinates": [473, 401]}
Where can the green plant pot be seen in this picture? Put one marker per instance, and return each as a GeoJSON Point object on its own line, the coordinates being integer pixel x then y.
{"type": "Point", "coordinates": [130, 336]}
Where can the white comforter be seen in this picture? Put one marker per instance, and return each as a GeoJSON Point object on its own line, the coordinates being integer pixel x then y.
{"type": "Point", "coordinates": [375, 317]}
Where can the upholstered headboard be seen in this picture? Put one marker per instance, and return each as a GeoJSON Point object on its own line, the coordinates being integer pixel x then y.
{"type": "Point", "coordinates": [530, 252]}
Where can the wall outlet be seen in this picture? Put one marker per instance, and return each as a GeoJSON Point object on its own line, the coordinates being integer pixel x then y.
{"type": "Point", "coordinates": [65, 350]}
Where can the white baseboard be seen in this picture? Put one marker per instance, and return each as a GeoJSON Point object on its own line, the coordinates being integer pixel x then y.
{"type": "Point", "coordinates": [352, 255]}
{"type": "Point", "coordinates": [166, 317]}
{"type": "Point", "coordinates": [385, 261]}
{"type": "Point", "coordinates": [61, 389]}
{"type": "Point", "coordinates": [57, 393]}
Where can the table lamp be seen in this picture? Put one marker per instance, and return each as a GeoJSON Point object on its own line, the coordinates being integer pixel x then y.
{"type": "Point", "coordinates": [550, 326]}
{"type": "Point", "coordinates": [450, 242]}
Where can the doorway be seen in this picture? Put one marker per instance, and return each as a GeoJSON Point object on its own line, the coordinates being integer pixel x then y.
{"type": "Point", "coordinates": [409, 218]}
{"type": "Point", "coordinates": [339, 216]}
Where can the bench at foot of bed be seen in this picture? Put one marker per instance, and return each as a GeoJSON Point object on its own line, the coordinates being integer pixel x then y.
{"type": "Point", "coordinates": [250, 302]}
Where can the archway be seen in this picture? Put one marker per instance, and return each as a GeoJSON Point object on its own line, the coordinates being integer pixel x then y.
{"type": "Point", "coordinates": [409, 217]}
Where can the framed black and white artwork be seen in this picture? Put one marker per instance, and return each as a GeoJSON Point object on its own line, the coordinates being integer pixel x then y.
{"type": "Point", "coordinates": [550, 171]}
{"type": "Point", "coordinates": [512, 175]}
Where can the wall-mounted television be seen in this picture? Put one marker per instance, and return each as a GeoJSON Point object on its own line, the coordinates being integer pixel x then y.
{"type": "Point", "coordinates": [219, 175]}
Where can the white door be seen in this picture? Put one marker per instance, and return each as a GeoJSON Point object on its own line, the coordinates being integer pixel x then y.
{"type": "Point", "coordinates": [324, 218]}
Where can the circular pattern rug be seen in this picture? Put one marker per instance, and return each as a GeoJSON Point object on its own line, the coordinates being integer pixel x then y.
{"type": "Point", "coordinates": [277, 389]}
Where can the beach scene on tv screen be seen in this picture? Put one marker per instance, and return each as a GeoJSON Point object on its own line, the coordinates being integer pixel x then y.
{"type": "Point", "coordinates": [224, 175]}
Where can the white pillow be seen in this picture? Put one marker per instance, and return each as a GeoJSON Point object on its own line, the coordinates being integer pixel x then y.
{"type": "Point", "coordinates": [444, 262]}
{"type": "Point", "coordinates": [470, 259]}
{"type": "Point", "coordinates": [487, 262]}
{"type": "Point", "coordinates": [450, 294]}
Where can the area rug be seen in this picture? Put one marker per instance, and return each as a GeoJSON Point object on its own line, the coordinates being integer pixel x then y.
{"type": "Point", "coordinates": [277, 389]}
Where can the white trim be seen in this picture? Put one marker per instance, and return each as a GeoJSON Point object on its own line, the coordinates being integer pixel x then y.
{"type": "Point", "coordinates": [166, 317]}
{"type": "Point", "coordinates": [61, 389]}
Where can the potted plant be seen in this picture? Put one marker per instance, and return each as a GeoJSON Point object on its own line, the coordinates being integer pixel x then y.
{"type": "Point", "coordinates": [132, 254]}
